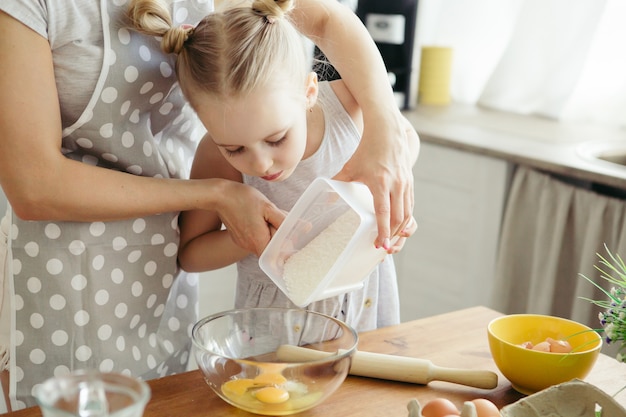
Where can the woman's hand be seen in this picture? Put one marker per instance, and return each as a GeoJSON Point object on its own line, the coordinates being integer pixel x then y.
{"type": "Point", "coordinates": [249, 216]}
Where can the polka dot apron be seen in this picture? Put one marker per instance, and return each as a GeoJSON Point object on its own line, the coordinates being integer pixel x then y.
{"type": "Point", "coordinates": [109, 295]}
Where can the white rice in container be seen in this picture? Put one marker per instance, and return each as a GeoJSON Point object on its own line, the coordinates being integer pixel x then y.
{"type": "Point", "coordinates": [305, 269]}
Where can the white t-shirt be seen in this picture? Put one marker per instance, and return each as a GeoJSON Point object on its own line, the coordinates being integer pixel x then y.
{"type": "Point", "coordinates": [74, 30]}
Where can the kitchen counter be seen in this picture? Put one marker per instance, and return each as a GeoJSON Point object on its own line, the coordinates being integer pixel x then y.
{"type": "Point", "coordinates": [457, 339]}
{"type": "Point", "coordinates": [533, 141]}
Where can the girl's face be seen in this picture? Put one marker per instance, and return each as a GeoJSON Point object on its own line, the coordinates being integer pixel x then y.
{"type": "Point", "coordinates": [262, 134]}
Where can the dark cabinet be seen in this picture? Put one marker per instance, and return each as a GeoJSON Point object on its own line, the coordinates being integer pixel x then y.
{"type": "Point", "coordinates": [391, 23]}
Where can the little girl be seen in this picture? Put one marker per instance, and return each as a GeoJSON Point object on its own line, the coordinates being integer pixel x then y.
{"type": "Point", "coordinates": [271, 125]}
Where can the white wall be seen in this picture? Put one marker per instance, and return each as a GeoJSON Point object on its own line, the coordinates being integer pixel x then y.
{"type": "Point", "coordinates": [217, 290]}
{"type": "Point", "coordinates": [217, 293]}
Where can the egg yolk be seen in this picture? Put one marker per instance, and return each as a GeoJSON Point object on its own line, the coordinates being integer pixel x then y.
{"type": "Point", "coordinates": [267, 387]}
{"type": "Point", "coordinates": [272, 395]}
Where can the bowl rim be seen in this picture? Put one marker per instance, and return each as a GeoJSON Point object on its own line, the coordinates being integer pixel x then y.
{"type": "Point", "coordinates": [597, 348]}
{"type": "Point", "coordinates": [339, 354]}
{"type": "Point", "coordinates": [142, 392]}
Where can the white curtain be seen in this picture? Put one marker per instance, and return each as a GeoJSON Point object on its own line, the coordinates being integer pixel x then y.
{"type": "Point", "coordinates": [562, 59]}
{"type": "Point", "coordinates": [552, 231]}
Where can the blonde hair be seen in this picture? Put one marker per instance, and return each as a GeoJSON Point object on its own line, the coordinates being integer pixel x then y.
{"type": "Point", "coordinates": [230, 52]}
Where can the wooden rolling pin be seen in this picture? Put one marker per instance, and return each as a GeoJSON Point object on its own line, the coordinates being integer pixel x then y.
{"type": "Point", "coordinates": [396, 368]}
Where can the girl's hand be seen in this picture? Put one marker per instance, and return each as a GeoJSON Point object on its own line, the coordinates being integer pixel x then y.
{"type": "Point", "coordinates": [404, 234]}
{"type": "Point", "coordinates": [383, 161]}
{"type": "Point", "coordinates": [389, 146]}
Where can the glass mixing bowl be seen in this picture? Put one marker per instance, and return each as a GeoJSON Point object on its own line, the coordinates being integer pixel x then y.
{"type": "Point", "coordinates": [238, 353]}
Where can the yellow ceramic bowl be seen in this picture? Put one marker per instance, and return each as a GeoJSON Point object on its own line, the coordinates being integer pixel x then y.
{"type": "Point", "coordinates": [529, 370]}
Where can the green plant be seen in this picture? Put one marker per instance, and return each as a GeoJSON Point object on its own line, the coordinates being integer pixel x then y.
{"type": "Point", "coordinates": [613, 316]}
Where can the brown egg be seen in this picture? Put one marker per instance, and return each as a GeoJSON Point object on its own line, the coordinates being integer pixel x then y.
{"type": "Point", "coordinates": [559, 346]}
{"type": "Point", "coordinates": [527, 345]}
{"type": "Point", "coordinates": [542, 347]}
{"type": "Point", "coordinates": [440, 407]}
{"type": "Point", "coordinates": [485, 408]}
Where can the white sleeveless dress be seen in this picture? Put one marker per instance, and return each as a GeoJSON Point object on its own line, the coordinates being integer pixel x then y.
{"type": "Point", "coordinates": [377, 304]}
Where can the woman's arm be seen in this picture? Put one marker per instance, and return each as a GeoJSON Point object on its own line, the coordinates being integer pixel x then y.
{"type": "Point", "coordinates": [204, 245]}
{"type": "Point", "coordinates": [41, 184]}
{"type": "Point", "coordinates": [382, 160]}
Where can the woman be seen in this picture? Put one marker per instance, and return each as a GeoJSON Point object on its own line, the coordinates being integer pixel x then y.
{"type": "Point", "coordinates": [96, 142]}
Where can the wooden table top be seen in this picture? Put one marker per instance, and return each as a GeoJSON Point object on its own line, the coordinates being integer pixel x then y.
{"type": "Point", "coordinates": [457, 340]}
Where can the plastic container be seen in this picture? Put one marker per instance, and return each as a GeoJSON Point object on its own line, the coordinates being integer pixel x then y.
{"type": "Point", "coordinates": [313, 215]}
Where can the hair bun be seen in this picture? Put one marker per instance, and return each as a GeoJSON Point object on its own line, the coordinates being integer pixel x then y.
{"type": "Point", "coordinates": [174, 39]}
{"type": "Point", "coordinates": [272, 9]}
